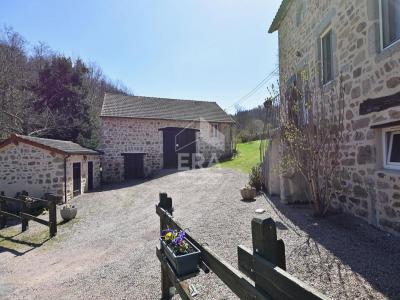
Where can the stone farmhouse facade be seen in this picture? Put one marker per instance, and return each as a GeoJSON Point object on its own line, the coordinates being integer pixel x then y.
{"type": "Point", "coordinates": [359, 41]}
{"type": "Point", "coordinates": [140, 135]}
{"type": "Point", "coordinates": [41, 166]}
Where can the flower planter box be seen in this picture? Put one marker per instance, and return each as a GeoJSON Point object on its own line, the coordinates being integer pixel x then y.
{"type": "Point", "coordinates": [183, 264]}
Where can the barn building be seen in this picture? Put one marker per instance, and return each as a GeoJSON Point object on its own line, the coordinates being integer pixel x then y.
{"type": "Point", "coordinates": [143, 134]}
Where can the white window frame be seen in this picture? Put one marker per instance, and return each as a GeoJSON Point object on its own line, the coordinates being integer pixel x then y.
{"type": "Point", "coordinates": [387, 133]}
{"type": "Point", "coordinates": [323, 34]}
{"type": "Point", "coordinates": [381, 29]}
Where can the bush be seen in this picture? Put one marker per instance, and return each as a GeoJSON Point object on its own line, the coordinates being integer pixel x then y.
{"type": "Point", "coordinates": [255, 177]}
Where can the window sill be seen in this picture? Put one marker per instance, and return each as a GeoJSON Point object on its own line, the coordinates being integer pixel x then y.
{"type": "Point", "coordinates": [388, 51]}
{"type": "Point", "coordinates": [395, 172]}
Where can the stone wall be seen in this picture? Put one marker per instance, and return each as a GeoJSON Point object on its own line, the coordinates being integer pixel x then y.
{"type": "Point", "coordinates": [370, 191]}
{"type": "Point", "coordinates": [37, 171]}
{"type": "Point", "coordinates": [129, 135]}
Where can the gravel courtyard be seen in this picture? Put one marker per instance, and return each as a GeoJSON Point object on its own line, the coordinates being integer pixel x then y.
{"type": "Point", "coordinates": [108, 252]}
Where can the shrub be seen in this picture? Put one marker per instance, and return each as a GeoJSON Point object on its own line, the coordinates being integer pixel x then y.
{"type": "Point", "coordinates": [255, 177]}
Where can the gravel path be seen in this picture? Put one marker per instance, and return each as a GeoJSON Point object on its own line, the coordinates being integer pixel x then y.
{"type": "Point", "coordinates": [109, 251]}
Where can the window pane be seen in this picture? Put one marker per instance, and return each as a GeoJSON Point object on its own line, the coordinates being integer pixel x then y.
{"type": "Point", "coordinates": [390, 21]}
{"type": "Point", "coordinates": [395, 153]}
{"type": "Point", "coordinates": [327, 57]}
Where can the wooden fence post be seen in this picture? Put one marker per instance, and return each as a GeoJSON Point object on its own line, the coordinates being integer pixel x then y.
{"type": "Point", "coordinates": [3, 207]}
{"type": "Point", "coordinates": [24, 209]}
{"type": "Point", "coordinates": [166, 284]}
{"type": "Point", "coordinates": [265, 242]}
{"type": "Point", "coordinates": [52, 214]}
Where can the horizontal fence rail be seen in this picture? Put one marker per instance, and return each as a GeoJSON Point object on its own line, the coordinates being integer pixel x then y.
{"type": "Point", "coordinates": [261, 273]}
{"type": "Point", "coordinates": [25, 217]}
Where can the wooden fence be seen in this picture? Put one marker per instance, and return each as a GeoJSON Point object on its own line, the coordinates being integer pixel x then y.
{"type": "Point", "coordinates": [261, 273]}
{"type": "Point", "coordinates": [25, 217]}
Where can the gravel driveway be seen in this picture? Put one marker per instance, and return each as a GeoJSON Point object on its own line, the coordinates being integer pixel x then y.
{"type": "Point", "coordinates": [108, 252]}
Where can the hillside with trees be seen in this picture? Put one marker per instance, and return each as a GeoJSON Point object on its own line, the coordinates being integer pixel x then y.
{"type": "Point", "coordinates": [47, 94]}
{"type": "Point", "coordinates": [250, 123]}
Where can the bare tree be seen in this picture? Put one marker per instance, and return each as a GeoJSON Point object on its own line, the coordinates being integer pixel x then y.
{"type": "Point", "coordinates": [312, 135]}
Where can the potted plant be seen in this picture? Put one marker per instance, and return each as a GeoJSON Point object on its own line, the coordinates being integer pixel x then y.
{"type": "Point", "coordinates": [255, 177]}
{"type": "Point", "coordinates": [68, 212]}
{"type": "Point", "coordinates": [180, 252]}
{"type": "Point", "coordinates": [248, 192]}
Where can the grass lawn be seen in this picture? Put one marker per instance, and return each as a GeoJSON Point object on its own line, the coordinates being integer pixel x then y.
{"type": "Point", "coordinates": [248, 156]}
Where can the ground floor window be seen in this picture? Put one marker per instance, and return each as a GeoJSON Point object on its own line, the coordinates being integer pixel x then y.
{"type": "Point", "coordinates": [391, 143]}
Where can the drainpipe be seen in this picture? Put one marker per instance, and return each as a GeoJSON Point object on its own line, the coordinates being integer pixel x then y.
{"type": "Point", "coordinates": [65, 178]}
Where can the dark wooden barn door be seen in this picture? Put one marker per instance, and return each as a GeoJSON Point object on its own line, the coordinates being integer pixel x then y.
{"type": "Point", "coordinates": [76, 178]}
{"type": "Point", "coordinates": [134, 165]}
{"type": "Point", "coordinates": [90, 175]}
{"type": "Point", "coordinates": [175, 141]}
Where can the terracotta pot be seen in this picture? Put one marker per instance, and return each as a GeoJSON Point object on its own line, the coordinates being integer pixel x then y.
{"type": "Point", "coordinates": [248, 193]}
{"type": "Point", "coordinates": [68, 213]}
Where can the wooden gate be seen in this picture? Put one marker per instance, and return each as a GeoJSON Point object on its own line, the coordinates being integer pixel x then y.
{"type": "Point", "coordinates": [261, 273]}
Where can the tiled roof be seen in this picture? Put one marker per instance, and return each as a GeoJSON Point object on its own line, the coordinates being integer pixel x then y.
{"type": "Point", "coordinates": [117, 105]}
{"type": "Point", "coordinates": [284, 7]}
{"type": "Point", "coordinates": [50, 144]}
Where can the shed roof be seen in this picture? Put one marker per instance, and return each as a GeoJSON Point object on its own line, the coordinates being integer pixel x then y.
{"type": "Point", "coordinates": [123, 106]}
{"type": "Point", "coordinates": [283, 9]}
{"type": "Point", "coordinates": [63, 147]}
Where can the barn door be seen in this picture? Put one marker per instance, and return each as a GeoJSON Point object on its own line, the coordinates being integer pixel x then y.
{"type": "Point", "coordinates": [134, 165]}
{"type": "Point", "coordinates": [175, 141]}
{"type": "Point", "coordinates": [76, 178]}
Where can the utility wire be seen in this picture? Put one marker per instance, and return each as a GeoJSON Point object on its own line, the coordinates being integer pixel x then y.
{"type": "Point", "coordinates": [254, 90]}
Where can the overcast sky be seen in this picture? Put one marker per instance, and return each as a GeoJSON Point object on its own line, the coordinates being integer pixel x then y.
{"type": "Point", "coordinates": [216, 50]}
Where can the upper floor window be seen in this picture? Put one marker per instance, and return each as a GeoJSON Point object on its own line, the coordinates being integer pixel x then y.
{"type": "Point", "coordinates": [391, 147]}
{"type": "Point", "coordinates": [214, 130]}
{"type": "Point", "coordinates": [390, 22]}
{"type": "Point", "coordinates": [326, 56]}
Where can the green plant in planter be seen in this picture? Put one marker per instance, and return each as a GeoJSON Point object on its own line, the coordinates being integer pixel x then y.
{"type": "Point", "coordinates": [255, 177]}
{"type": "Point", "coordinates": [176, 241]}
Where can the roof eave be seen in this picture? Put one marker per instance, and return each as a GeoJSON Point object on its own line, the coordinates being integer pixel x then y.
{"type": "Point", "coordinates": [166, 119]}
{"type": "Point", "coordinates": [280, 15]}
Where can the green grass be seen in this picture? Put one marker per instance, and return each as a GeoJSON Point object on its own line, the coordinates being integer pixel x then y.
{"type": "Point", "coordinates": [248, 156]}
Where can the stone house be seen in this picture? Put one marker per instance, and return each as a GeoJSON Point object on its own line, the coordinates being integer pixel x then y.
{"type": "Point", "coordinates": [358, 41]}
{"type": "Point", "coordinates": [140, 135]}
{"type": "Point", "coordinates": [41, 166]}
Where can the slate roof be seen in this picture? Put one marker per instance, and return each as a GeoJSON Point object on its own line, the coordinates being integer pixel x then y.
{"type": "Point", "coordinates": [283, 9]}
{"type": "Point", "coordinates": [117, 105]}
{"type": "Point", "coordinates": [65, 147]}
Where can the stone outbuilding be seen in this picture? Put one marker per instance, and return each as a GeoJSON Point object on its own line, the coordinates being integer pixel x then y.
{"type": "Point", "coordinates": [140, 135]}
{"type": "Point", "coordinates": [41, 166]}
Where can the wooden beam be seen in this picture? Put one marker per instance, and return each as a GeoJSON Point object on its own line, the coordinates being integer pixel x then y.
{"type": "Point", "coordinates": [36, 219]}
{"type": "Point", "coordinates": [7, 214]}
{"type": "Point", "coordinates": [181, 286]}
{"type": "Point", "coordinates": [379, 104]}
{"type": "Point", "coordinates": [275, 281]}
{"type": "Point", "coordinates": [8, 199]}
{"type": "Point", "coordinates": [238, 282]}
